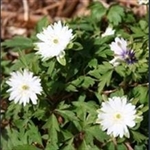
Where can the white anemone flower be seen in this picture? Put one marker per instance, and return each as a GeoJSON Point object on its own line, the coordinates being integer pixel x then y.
{"type": "Point", "coordinates": [53, 41]}
{"type": "Point", "coordinates": [143, 2]}
{"type": "Point", "coordinates": [24, 87]}
{"type": "Point", "coordinates": [108, 31]}
{"type": "Point", "coordinates": [121, 52]}
{"type": "Point", "coordinates": [116, 116]}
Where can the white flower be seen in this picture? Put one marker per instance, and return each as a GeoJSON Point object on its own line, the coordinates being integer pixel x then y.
{"type": "Point", "coordinates": [116, 115]}
{"type": "Point", "coordinates": [119, 46]}
{"type": "Point", "coordinates": [141, 2]}
{"type": "Point", "coordinates": [109, 31]}
{"type": "Point", "coordinates": [114, 61]}
{"type": "Point", "coordinates": [24, 87]}
{"type": "Point", "coordinates": [121, 52]}
{"type": "Point", "coordinates": [53, 41]}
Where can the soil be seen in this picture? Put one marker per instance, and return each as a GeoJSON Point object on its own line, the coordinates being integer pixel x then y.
{"type": "Point", "coordinates": [19, 17]}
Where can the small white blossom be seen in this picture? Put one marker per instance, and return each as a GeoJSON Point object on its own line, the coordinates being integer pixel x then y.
{"type": "Point", "coordinates": [109, 31]}
{"type": "Point", "coordinates": [53, 41]}
{"type": "Point", "coordinates": [24, 87]}
{"type": "Point", "coordinates": [143, 2]}
{"type": "Point", "coordinates": [119, 46]}
{"type": "Point", "coordinates": [114, 61]}
{"type": "Point", "coordinates": [116, 116]}
{"type": "Point", "coordinates": [121, 52]}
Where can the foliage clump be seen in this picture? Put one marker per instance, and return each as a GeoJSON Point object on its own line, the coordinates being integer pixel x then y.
{"type": "Point", "coordinates": [77, 83]}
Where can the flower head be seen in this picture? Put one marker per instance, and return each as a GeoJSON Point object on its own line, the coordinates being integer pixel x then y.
{"type": "Point", "coordinates": [143, 2]}
{"type": "Point", "coordinates": [53, 41]}
{"type": "Point", "coordinates": [122, 52]}
{"type": "Point", "coordinates": [116, 115]}
{"type": "Point", "coordinates": [109, 31]}
{"type": "Point", "coordinates": [24, 87]}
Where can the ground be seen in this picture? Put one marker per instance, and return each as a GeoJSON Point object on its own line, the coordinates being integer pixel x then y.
{"type": "Point", "coordinates": [20, 16]}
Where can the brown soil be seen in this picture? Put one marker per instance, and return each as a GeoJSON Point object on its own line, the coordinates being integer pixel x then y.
{"type": "Point", "coordinates": [20, 16]}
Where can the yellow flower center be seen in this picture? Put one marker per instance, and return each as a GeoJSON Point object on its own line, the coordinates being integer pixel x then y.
{"type": "Point", "coordinates": [55, 41]}
{"type": "Point", "coordinates": [25, 87]}
{"type": "Point", "coordinates": [118, 116]}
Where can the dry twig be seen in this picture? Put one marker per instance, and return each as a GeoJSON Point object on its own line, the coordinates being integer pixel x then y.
{"type": "Point", "coordinates": [33, 19]}
{"type": "Point", "coordinates": [48, 7]}
{"type": "Point", "coordinates": [60, 8]}
{"type": "Point", "coordinates": [129, 2]}
{"type": "Point", "coordinates": [26, 10]}
{"type": "Point", "coordinates": [127, 144]}
{"type": "Point", "coordinates": [68, 11]}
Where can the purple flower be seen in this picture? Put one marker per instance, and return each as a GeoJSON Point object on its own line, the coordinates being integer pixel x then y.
{"type": "Point", "coordinates": [129, 56]}
{"type": "Point", "coordinates": [121, 52]}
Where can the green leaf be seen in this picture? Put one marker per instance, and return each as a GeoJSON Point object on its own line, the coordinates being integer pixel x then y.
{"type": "Point", "coordinates": [16, 137]}
{"type": "Point", "coordinates": [145, 108]}
{"type": "Point", "coordinates": [94, 73]}
{"type": "Point", "coordinates": [13, 110]}
{"type": "Point", "coordinates": [62, 105]}
{"type": "Point", "coordinates": [89, 106]}
{"type": "Point", "coordinates": [115, 14]}
{"type": "Point", "coordinates": [43, 23]}
{"type": "Point", "coordinates": [93, 63]}
{"type": "Point", "coordinates": [67, 114]}
{"type": "Point", "coordinates": [105, 67]}
{"type": "Point", "coordinates": [121, 70]}
{"type": "Point", "coordinates": [119, 92]}
{"type": "Point", "coordinates": [96, 132]}
{"type": "Point", "coordinates": [34, 134]}
{"type": "Point", "coordinates": [67, 135]}
{"type": "Point", "coordinates": [84, 146]}
{"type": "Point", "coordinates": [104, 53]}
{"type": "Point", "coordinates": [61, 60]}
{"type": "Point", "coordinates": [139, 137]}
{"type": "Point", "coordinates": [69, 145]}
{"type": "Point", "coordinates": [82, 97]}
{"type": "Point", "coordinates": [51, 146]}
{"type": "Point", "coordinates": [78, 82]}
{"type": "Point", "coordinates": [25, 147]}
{"type": "Point", "coordinates": [82, 108]}
{"type": "Point", "coordinates": [53, 128]}
{"type": "Point", "coordinates": [121, 147]}
{"type": "Point", "coordinates": [142, 93]}
{"type": "Point", "coordinates": [26, 61]}
{"type": "Point", "coordinates": [39, 114]}
{"type": "Point", "coordinates": [97, 10]}
{"type": "Point", "coordinates": [129, 18]}
{"type": "Point", "coordinates": [19, 42]}
{"type": "Point", "coordinates": [111, 146]}
{"type": "Point", "coordinates": [35, 67]}
{"type": "Point", "coordinates": [140, 147]}
{"type": "Point", "coordinates": [71, 88]}
{"type": "Point", "coordinates": [143, 24]}
{"type": "Point", "coordinates": [51, 67]}
{"type": "Point", "coordinates": [137, 32]}
{"type": "Point", "coordinates": [82, 24]}
{"type": "Point", "coordinates": [87, 82]}
{"type": "Point", "coordinates": [77, 46]}
{"type": "Point", "coordinates": [105, 80]}
{"type": "Point", "coordinates": [52, 123]}
{"type": "Point", "coordinates": [98, 96]}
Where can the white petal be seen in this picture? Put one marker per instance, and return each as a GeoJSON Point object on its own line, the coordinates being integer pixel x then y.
{"type": "Point", "coordinates": [109, 31]}
{"type": "Point", "coordinates": [18, 81]}
{"type": "Point", "coordinates": [53, 40]}
{"type": "Point", "coordinates": [116, 116]}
